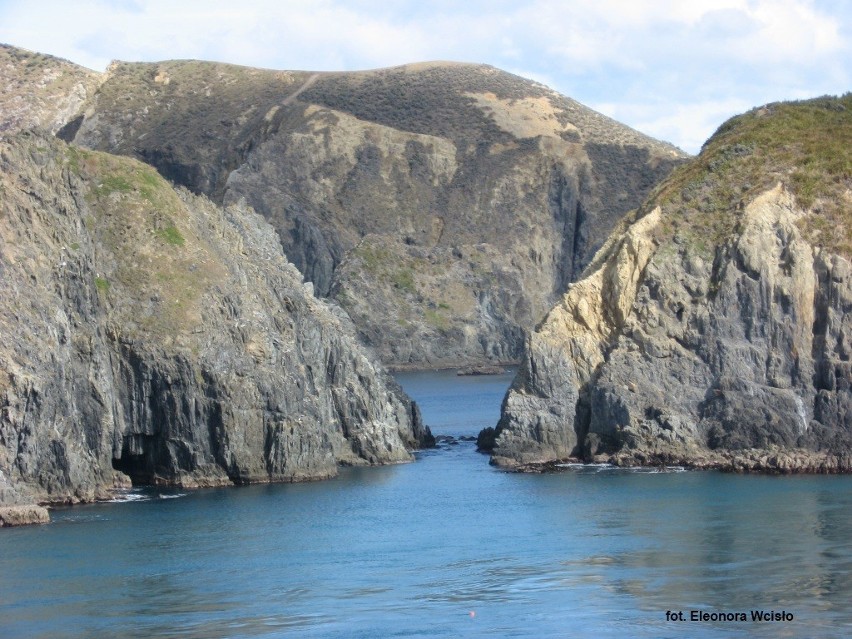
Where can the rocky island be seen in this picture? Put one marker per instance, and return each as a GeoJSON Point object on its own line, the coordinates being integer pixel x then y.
{"type": "Point", "coordinates": [713, 328]}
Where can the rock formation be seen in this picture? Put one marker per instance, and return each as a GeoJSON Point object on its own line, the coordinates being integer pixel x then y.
{"type": "Point", "coordinates": [159, 335]}
{"type": "Point", "coordinates": [713, 329]}
{"type": "Point", "coordinates": [444, 206]}
{"type": "Point", "coordinates": [40, 90]}
{"type": "Point", "coordinates": [150, 335]}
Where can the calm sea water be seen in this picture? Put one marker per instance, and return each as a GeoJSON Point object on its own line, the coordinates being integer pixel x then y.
{"type": "Point", "coordinates": [444, 547]}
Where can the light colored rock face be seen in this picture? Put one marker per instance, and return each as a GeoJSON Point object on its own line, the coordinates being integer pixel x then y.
{"type": "Point", "coordinates": [543, 409]}
{"type": "Point", "coordinates": [147, 333]}
{"type": "Point", "coordinates": [664, 353]}
{"type": "Point", "coordinates": [444, 206]}
{"type": "Point", "coordinates": [40, 91]}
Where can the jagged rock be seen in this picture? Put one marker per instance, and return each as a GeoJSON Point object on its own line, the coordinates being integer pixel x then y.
{"type": "Point", "coordinates": [712, 330]}
{"type": "Point", "coordinates": [444, 206]}
{"type": "Point", "coordinates": [23, 515]}
{"type": "Point", "coordinates": [469, 371]}
{"type": "Point", "coordinates": [149, 334]}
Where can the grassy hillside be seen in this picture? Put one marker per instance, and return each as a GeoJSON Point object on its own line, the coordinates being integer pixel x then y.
{"type": "Point", "coordinates": [446, 99]}
{"type": "Point", "coordinates": [153, 267]}
{"type": "Point", "coordinates": [806, 145]}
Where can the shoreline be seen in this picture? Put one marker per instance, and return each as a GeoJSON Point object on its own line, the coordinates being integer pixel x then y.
{"type": "Point", "coordinates": [417, 368]}
{"type": "Point", "coordinates": [38, 512]}
{"type": "Point", "coordinates": [752, 461]}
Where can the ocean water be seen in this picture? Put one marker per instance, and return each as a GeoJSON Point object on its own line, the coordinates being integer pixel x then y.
{"type": "Point", "coordinates": [445, 547]}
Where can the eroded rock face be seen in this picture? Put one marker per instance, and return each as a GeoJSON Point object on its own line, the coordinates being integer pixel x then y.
{"type": "Point", "coordinates": [148, 334]}
{"type": "Point", "coordinates": [40, 91]}
{"type": "Point", "coordinates": [668, 352]}
{"type": "Point", "coordinates": [23, 515]}
{"type": "Point", "coordinates": [444, 206]}
{"type": "Point", "coordinates": [712, 329]}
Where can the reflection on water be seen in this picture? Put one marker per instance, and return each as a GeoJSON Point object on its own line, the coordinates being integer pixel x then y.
{"type": "Point", "coordinates": [412, 550]}
{"type": "Point", "coordinates": [457, 405]}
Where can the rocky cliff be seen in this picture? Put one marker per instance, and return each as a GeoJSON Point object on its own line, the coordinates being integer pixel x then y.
{"type": "Point", "coordinates": [713, 329]}
{"type": "Point", "coordinates": [41, 90]}
{"type": "Point", "coordinates": [444, 206]}
{"type": "Point", "coordinates": [150, 335]}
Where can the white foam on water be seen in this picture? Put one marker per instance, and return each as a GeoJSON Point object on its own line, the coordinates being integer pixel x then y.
{"type": "Point", "coordinates": [127, 496]}
{"type": "Point", "coordinates": [657, 469]}
{"type": "Point", "coordinates": [604, 467]}
{"type": "Point", "coordinates": [582, 465]}
{"type": "Point", "coordinates": [175, 496]}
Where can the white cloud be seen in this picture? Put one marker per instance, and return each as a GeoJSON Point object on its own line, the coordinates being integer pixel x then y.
{"type": "Point", "coordinates": [678, 63]}
{"type": "Point", "coordinates": [686, 125]}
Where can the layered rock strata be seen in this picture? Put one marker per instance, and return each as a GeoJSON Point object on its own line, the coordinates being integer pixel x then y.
{"type": "Point", "coordinates": [713, 329]}
{"type": "Point", "coordinates": [150, 335]}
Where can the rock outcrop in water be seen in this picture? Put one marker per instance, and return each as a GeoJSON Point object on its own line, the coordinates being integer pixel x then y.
{"type": "Point", "coordinates": [444, 206]}
{"type": "Point", "coordinates": [23, 515]}
{"type": "Point", "coordinates": [713, 329]}
{"type": "Point", "coordinates": [150, 335]}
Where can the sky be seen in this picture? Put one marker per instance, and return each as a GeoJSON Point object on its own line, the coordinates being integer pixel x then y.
{"type": "Point", "coordinates": [673, 69]}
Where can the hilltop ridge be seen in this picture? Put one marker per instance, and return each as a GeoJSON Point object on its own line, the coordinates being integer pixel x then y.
{"type": "Point", "coordinates": [443, 205]}
{"type": "Point", "coordinates": [40, 91]}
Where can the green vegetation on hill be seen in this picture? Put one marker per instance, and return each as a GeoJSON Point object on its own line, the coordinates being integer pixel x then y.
{"type": "Point", "coordinates": [437, 99]}
{"type": "Point", "coordinates": [806, 145]}
{"type": "Point", "coordinates": [27, 59]}
{"type": "Point", "coordinates": [193, 120]}
{"type": "Point", "coordinates": [149, 250]}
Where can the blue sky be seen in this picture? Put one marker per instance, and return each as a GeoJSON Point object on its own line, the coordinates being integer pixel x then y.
{"type": "Point", "coordinates": [674, 69]}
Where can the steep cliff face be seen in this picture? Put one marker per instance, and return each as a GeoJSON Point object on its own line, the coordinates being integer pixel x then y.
{"type": "Point", "coordinates": [148, 334]}
{"type": "Point", "coordinates": [444, 206]}
{"type": "Point", "coordinates": [713, 328]}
